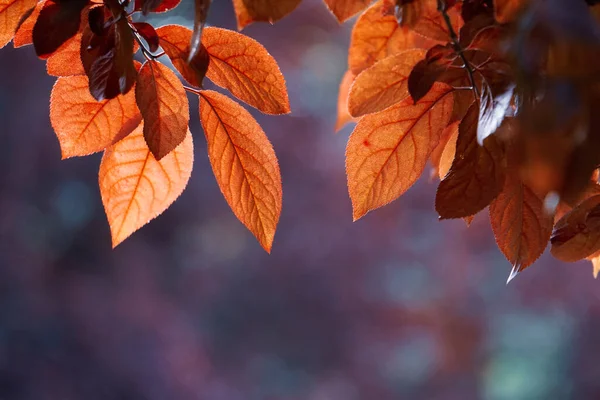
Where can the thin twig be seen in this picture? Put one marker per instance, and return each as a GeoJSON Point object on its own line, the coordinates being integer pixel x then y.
{"type": "Point", "coordinates": [455, 43]}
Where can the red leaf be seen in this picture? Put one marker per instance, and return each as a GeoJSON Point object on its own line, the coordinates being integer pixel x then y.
{"type": "Point", "coordinates": [201, 13]}
{"type": "Point", "coordinates": [147, 31]}
{"type": "Point", "coordinates": [58, 22]}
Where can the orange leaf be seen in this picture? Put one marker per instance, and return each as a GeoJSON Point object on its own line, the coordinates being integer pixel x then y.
{"type": "Point", "coordinates": [387, 151]}
{"type": "Point", "coordinates": [343, 116]}
{"type": "Point", "coordinates": [175, 41]}
{"type": "Point", "coordinates": [84, 125]}
{"type": "Point", "coordinates": [520, 223]}
{"type": "Point", "coordinates": [477, 173]}
{"type": "Point", "coordinates": [345, 9]}
{"type": "Point", "coordinates": [445, 155]}
{"type": "Point", "coordinates": [66, 61]}
{"type": "Point", "coordinates": [595, 259]}
{"type": "Point", "coordinates": [136, 188]}
{"type": "Point", "coordinates": [431, 23]}
{"type": "Point", "coordinates": [577, 234]}
{"type": "Point", "coordinates": [11, 12]}
{"type": "Point", "coordinates": [245, 68]}
{"type": "Point", "coordinates": [164, 106]}
{"type": "Point", "coordinates": [244, 164]}
{"type": "Point", "coordinates": [383, 84]}
{"type": "Point", "coordinates": [376, 36]}
{"type": "Point", "coordinates": [24, 34]}
{"type": "Point", "coordinates": [271, 11]}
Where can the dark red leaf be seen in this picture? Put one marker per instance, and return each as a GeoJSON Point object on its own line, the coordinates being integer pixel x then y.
{"type": "Point", "coordinates": [58, 22]}
{"type": "Point", "coordinates": [147, 31]}
{"type": "Point", "coordinates": [202, 7]}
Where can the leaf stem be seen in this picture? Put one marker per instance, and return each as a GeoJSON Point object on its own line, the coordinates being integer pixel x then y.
{"type": "Point", "coordinates": [443, 9]}
{"type": "Point", "coordinates": [193, 90]}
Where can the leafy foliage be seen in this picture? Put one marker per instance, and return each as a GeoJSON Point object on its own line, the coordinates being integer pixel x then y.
{"type": "Point", "coordinates": [499, 96]}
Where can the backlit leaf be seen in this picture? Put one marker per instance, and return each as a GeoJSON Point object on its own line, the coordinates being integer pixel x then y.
{"type": "Point", "coordinates": [136, 188]}
{"type": "Point", "coordinates": [477, 173]}
{"type": "Point", "coordinates": [175, 41]}
{"type": "Point", "coordinates": [58, 22]}
{"type": "Point", "coordinates": [244, 164]}
{"type": "Point", "coordinates": [383, 84]}
{"type": "Point", "coordinates": [520, 223]}
{"type": "Point", "coordinates": [345, 9]}
{"type": "Point", "coordinates": [24, 34]}
{"type": "Point", "coordinates": [66, 61]}
{"type": "Point", "coordinates": [249, 11]}
{"type": "Point", "coordinates": [84, 125]}
{"type": "Point", "coordinates": [164, 107]}
{"type": "Point", "coordinates": [245, 68]}
{"type": "Point", "coordinates": [577, 234]}
{"type": "Point", "coordinates": [387, 151]}
{"type": "Point", "coordinates": [447, 153]}
{"type": "Point", "coordinates": [11, 12]}
{"type": "Point", "coordinates": [376, 36]}
{"type": "Point", "coordinates": [431, 23]}
{"type": "Point", "coordinates": [343, 115]}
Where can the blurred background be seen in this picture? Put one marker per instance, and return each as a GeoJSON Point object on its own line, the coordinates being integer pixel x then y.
{"type": "Point", "coordinates": [394, 306]}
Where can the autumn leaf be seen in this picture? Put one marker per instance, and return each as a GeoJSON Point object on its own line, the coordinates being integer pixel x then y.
{"type": "Point", "coordinates": [24, 33]}
{"type": "Point", "coordinates": [477, 173]}
{"type": "Point", "coordinates": [249, 11]}
{"type": "Point", "coordinates": [175, 41]}
{"type": "Point", "coordinates": [387, 151]}
{"type": "Point", "coordinates": [11, 12]}
{"type": "Point", "coordinates": [58, 22]}
{"type": "Point", "coordinates": [383, 84]}
{"type": "Point", "coordinates": [577, 234]}
{"type": "Point", "coordinates": [149, 34]}
{"type": "Point", "coordinates": [66, 61]}
{"type": "Point", "coordinates": [244, 164]}
{"type": "Point", "coordinates": [345, 9]}
{"type": "Point", "coordinates": [343, 115]}
{"type": "Point", "coordinates": [245, 68]}
{"type": "Point", "coordinates": [376, 36]}
{"type": "Point", "coordinates": [521, 225]}
{"type": "Point", "coordinates": [445, 154]}
{"type": "Point", "coordinates": [431, 24]}
{"type": "Point", "coordinates": [135, 188]}
{"type": "Point", "coordinates": [84, 125]}
{"type": "Point", "coordinates": [164, 106]}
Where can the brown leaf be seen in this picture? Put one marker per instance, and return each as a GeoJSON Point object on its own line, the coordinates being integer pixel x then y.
{"type": "Point", "coordinates": [376, 36]}
{"type": "Point", "coordinates": [245, 68]}
{"type": "Point", "coordinates": [11, 12]}
{"type": "Point", "coordinates": [383, 84]}
{"type": "Point", "coordinates": [477, 173]}
{"type": "Point", "coordinates": [175, 41]}
{"type": "Point", "coordinates": [24, 34]}
{"type": "Point", "coordinates": [343, 115]}
{"type": "Point", "coordinates": [164, 106]}
{"type": "Point", "coordinates": [387, 151]}
{"type": "Point", "coordinates": [577, 234]}
{"type": "Point", "coordinates": [136, 188]}
{"type": "Point", "coordinates": [244, 164]}
{"type": "Point", "coordinates": [84, 125]}
{"type": "Point", "coordinates": [345, 9]}
{"type": "Point", "coordinates": [520, 223]}
{"type": "Point", "coordinates": [249, 11]}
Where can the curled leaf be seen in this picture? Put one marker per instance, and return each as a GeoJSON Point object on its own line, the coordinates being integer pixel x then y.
{"type": "Point", "coordinates": [577, 234]}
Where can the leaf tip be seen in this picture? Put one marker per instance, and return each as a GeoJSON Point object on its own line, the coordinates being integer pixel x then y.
{"type": "Point", "coordinates": [513, 273]}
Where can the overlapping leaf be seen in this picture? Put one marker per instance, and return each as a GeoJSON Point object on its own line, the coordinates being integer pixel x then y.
{"type": "Point", "coordinates": [249, 11]}
{"type": "Point", "coordinates": [577, 234]}
{"type": "Point", "coordinates": [345, 9]}
{"type": "Point", "coordinates": [477, 173]}
{"type": "Point", "coordinates": [387, 151]}
{"type": "Point", "coordinates": [135, 187]}
{"type": "Point", "coordinates": [164, 107]}
{"type": "Point", "coordinates": [84, 125]}
{"type": "Point", "coordinates": [24, 33]}
{"type": "Point", "coordinates": [175, 41]}
{"type": "Point", "coordinates": [11, 12]}
{"type": "Point", "coordinates": [244, 164]}
{"type": "Point", "coordinates": [383, 84]}
{"type": "Point", "coordinates": [343, 115]}
{"type": "Point", "coordinates": [245, 68]}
